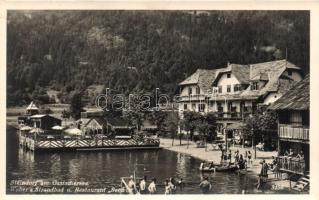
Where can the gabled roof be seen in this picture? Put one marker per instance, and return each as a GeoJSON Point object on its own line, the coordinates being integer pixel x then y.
{"type": "Point", "coordinates": [202, 77]}
{"type": "Point", "coordinates": [241, 72]}
{"type": "Point", "coordinates": [272, 73]}
{"type": "Point", "coordinates": [297, 98]}
{"type": "Point", "coordinates": [32, 106]}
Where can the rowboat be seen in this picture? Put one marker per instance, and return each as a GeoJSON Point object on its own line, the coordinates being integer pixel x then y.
{"type": "Point", "coordinates": [218, 168]}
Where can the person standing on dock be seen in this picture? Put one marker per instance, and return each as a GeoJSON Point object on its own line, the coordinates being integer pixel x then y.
{"type": "Point", "coordinates": [152, 186]}
{"type": "Point", "coordinates": [205, 185]}
{"type": "Point", "coordinates": [143, 186]}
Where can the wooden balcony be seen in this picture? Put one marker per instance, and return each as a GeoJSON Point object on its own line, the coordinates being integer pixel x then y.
{"type": "Point", "coordinates": [293, 132]}
{"type": "Point", "coordinates": [291, 165]}
{"type": "Point", "coordinates": [196, 97]}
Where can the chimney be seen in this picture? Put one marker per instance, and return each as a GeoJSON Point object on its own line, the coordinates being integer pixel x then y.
{"type": "Point", "coordinates": [228, 64]}
{"type": "Point", "coordinates": [250, 71]}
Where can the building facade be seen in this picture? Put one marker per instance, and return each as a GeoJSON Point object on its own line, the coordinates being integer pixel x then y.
{"type": "Point", "coordinates": [235, 91]}
{"type": "Point", "coordinates": [293, 129]}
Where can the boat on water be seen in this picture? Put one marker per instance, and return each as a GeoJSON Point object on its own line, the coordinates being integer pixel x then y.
{"type": "Point", "coordinates": [218, 168]}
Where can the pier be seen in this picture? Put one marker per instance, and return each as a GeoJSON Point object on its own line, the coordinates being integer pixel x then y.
{"type": "Point", "coordinates": [74, 144]}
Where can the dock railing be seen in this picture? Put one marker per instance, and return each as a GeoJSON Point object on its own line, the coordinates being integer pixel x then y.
{"type": "Point", "coordinates": [34, 143]}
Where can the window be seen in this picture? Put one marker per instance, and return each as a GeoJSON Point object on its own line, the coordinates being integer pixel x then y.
{"type": "Point", "coordinates": [237, 88]}
{"type": "Point", "coordinates": [220, 89]}
{"type": "Point", "coordinates": [190, 91]}
{"type": "Point", "coordinates": [228, 88]}
{"type": "Point", "coordinates": [201, 107]}
{"type": "Point", "coordinates": [193, 106]}
{"type": "Point", "coordinates": [185, 106]}
{"type": "Point", "coordinates": [228, 75]}
{"type": "Point", "coordinates": [289, 73]}
{"type": "Point", "coordinates": [197, 90]}
{"type": "Point", "coordinates": [254, 86]}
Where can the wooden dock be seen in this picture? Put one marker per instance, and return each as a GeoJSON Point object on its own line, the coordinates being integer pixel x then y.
{"type": "Point", "coordinates": [87, 144]}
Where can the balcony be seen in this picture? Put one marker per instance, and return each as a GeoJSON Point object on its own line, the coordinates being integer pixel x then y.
{"type": "Point", "coordinates": [293, 132]}
{"type": "Point", "coordinates": [291, 165]}
{"type": "Point", "coordinates": [197, 97]}
{"type": "Point", "coordinates": [229, 115]}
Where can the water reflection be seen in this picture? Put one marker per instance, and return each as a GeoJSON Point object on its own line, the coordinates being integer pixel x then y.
{"type": "Point", "coordinates": [104, 169]}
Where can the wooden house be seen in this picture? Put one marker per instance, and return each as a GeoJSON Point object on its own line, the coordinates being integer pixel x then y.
{"type": "Point", "coordinates": [293, 128]}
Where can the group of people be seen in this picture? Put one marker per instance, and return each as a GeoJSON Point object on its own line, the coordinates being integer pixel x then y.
{"type": "Point", "coordinates": [141, 188]}
{"type": "Point", "coordinates": [239, 159]}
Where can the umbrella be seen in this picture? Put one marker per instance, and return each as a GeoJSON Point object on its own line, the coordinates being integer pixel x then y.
{"type": "Point", "coordinates": [25, 128]}
{"type": "Point", "coordinates": [73, 131]}
{"type": "Point", "coordinates": [57, 127]}
{"type": "Point", "coordinates": [37, 130]}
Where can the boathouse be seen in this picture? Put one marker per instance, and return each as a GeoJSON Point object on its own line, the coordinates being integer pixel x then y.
{"type": "Point", "coordinates": [45, 122]}
{"type": "Point", "coordinates": [293, 128]}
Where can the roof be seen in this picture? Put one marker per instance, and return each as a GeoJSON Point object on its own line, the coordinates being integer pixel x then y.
{"type": "Point", "coordinates": [241, 72]}
{"type": "Point", "coordinates": [202, 77]}
{"type": "Point", "coordinates": [270, 72]}
{"type": "Point", "coordinates": [297, 98]}
{"type": "Point", "coordinates": [37, 116]}
{"type": "Point", "coordinates": [32, 106]}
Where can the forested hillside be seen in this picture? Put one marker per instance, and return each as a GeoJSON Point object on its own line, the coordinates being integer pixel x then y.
{"type": "Point", "coordinates": [137, 51]}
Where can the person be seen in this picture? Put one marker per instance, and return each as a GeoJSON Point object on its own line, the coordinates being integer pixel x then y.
{"type": "Point", "coordinates": [289, 153]}
{"type": "Point", "coordinates": [264, 169]}
{"type": "Point", "coordinates": [263, 174]}
{"type": "Point", "coordinates": [301, 156]}
{"type": "Point", "coordinates": [131, 184]}
{"type": "Point", "coordinates": [205, 185]}
{"type": "Point", "coordinates": [211, 165]}
{"type": "Point", "coordinates": [181, 184]}
{"type": "Point", "coordinates": [229, 156]}
{"type": "Point", "coordinates": [241, 162]}
{"type": "Point", "coordinates": [167, 187]}
{"type": "Point", "coordinates": [273, 163]}
{"type": "Point", "coordinates": [249, 158]}
{"type": "Point", "coordinates": [236, 156]}
{"type": "Point", "coordinates": [152, 187]}
{"type": "Point", "coordinates": [143, 186]}
{"type": "Point", "coordinates": [172, 185]}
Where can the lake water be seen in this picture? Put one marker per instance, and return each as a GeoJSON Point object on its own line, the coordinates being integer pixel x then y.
{"type": "Point", "coordinates": [103, 170]}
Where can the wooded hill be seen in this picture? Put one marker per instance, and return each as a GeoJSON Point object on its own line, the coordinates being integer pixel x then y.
{"type": "Point", "coordinates": [137, 51]}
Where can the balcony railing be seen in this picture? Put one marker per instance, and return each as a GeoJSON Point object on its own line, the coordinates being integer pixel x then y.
{"type": "Point", "coordinates": [196, 97]}
{"type": "Point", "coordinates": [292, 165]}
{"type": "Point", "coordinates": [229, 115]}
{"type": "Point", "coordinates": [291, 132]}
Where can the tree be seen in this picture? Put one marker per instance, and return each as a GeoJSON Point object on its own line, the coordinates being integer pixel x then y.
{"type": "Point", "coordinates": [76, 106]}
{"type": "Point", "coordinates": [171, 122]}
{"type": "Point", "coordinates": [206, 126]}
{"type": "Point", "coordinates": [262, 123]}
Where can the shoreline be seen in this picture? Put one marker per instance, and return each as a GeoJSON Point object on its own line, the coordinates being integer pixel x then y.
{"type": "Point", "coordinates": [214, 155]}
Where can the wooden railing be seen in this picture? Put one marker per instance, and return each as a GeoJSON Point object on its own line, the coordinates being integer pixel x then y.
{"type": "Point", "coordinates": [291, 132]}
{"type": "Point", "coordinates": [292, 165]}
{"type": "Point", "coordinates": [58, 143]}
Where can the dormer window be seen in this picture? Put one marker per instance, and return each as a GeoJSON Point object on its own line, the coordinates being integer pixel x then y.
{"type": "Point", "coordinates": [289, 73]}
{"type": "Point", "coordinates": [229, 75]}
{"type": "Point", "coordinates": [254, 86]}
{"type": "Point", "coordinates": [237, 88]}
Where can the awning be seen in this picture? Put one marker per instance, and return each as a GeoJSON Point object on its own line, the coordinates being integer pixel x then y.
{"type": "Point", "coordinates": [57, 127]}
{"type": "Point", "coordinates": [236, 126]}
{"type": "Point", "coordinates": [73, 131]}
{"type": "Point", "coordinates": [25, 128]}
{"type": "Point", "coordinates": [37, 130]}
